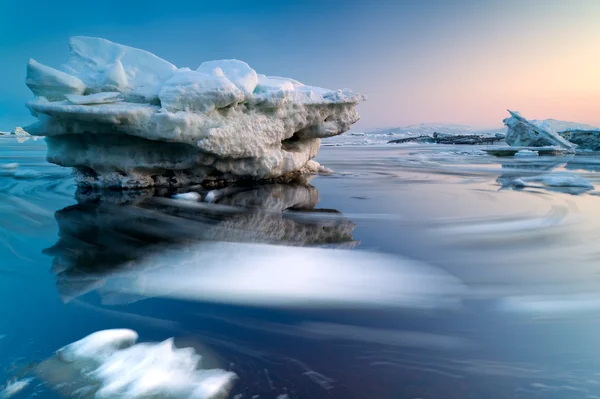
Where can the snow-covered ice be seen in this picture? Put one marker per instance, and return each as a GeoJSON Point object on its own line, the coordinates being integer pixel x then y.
{"type": "Point", "coordinates": [14, 387]}
{"type": "Point", "coordinates": [222, 122]}
{"type": "Point", "coordinates": [51, 83]}
{"type": "Point", "coordinates": [110, 364]}
{"type": "Point", "coordinates": [522, 132]}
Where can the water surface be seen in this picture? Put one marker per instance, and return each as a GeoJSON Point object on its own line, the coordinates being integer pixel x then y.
{"type": "Point", "coordinates": [478, 286]}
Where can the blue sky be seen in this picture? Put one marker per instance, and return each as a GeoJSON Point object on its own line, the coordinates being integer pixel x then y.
{"type": "Point", "coordinates": [462, 61]}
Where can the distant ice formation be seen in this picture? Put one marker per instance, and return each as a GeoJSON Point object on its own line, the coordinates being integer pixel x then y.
{"type": "Point", "coordinates": [522, 132]}
{"type": "Point", "coordinates": [109, 364]}
{"type": "Point", "coordinates": [123, 117]}
{"type": "Point", "coordinates": [565, 135]}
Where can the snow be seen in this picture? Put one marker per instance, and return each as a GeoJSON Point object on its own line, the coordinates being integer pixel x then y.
{"type": "Point", "coordinates": [108, 66]}
{"type": "Point", "coordinates": [252, 274]}
{"type": "Point", "coordinates": [110, 363]}
{"type": "Point", "coordinates": [197, 91]}
{"type": "Point", "coordinates": [238, 72]}
{"type": "Point", "coordinates": [97, 346]}
{"type": "Point", "coordinates": [51, 83]}
{"type": "Point", "coordinates": [274, 83]}
{"type": "Point", "coordinates": [235, 123]}
{"type": "Point", "coordinates": [98, 98]}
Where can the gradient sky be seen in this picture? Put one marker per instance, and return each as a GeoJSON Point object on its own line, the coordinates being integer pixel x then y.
{"type": "Point", "coordinates": [462, 61]}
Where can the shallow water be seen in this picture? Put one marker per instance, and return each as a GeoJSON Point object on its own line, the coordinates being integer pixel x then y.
{"type": "Point", "coordinates": [471, 285]}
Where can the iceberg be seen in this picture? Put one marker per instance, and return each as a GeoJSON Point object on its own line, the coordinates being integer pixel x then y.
{"type": "Point", "coordinates": [522, 132]}
{"type": "Point", "coordinates": [122, 117]}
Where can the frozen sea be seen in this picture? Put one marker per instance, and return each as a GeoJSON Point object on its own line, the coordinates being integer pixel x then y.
{"type": "Point", "coordinates": [478, 277]}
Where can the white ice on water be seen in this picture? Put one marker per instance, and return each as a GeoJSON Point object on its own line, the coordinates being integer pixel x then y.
{"type": "Point", "coordinates": [230, 122]}
{"type": "Point", "coordinates": [558, 180]}
{"type": "Point", "coordinates": [113, 365]}
{"type": "Point", "coordinates": [14, 387]}
{"type": "Point", "coordinates": [281, 276]}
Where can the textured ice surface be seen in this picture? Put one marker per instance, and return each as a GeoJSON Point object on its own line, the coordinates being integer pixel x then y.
{"type": "Point", "coordinates": [109, 364]}
{"type": "Point", "coordinates": [51, 83]}
{"type": "Point", "coordinates": [522, 132]}
{"type": "Point", "coordinates": [233, 123]}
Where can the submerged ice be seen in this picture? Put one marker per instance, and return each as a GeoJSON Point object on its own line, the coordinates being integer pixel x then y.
{"type": "Point", "coordinates": [123, 117]}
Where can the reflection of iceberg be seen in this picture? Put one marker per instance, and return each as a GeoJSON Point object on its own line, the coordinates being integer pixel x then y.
{"type": "Point", "coordinates": [107, 230]}
{"type": "Point", "coordinates": [540, 174]}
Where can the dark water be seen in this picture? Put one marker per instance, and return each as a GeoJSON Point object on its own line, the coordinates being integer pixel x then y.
{"type": "Point", "coordinates": [513, 314]}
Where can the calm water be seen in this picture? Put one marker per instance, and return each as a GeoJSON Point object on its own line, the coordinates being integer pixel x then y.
{"type": "Point", "coordinates": [503, 301]}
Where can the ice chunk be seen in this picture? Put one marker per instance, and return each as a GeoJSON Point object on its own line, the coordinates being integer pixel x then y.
{"type": "Point", "coordinates": [109, 364]}
{"type": "Point", "coordinates": [522, 132]}
{"type": "Point", "coordinates": [588, 139]}
{"type": "Point", "coordinates": [51, 83]}
{"type": "Point", "coordinates": [238, 72]}
{"type": "Point", "coordinates": [107, 66]}
{"type": "Point", "coordinates": [14, 387]}
{"type": "Point", "coordinates": [98, 346]}
{"type": "Point", "coordinates": [231, 127]}
{"type": "Point", "coordinates": [197, 91]}
{"type": "Point", "coordinates": [98, 98]}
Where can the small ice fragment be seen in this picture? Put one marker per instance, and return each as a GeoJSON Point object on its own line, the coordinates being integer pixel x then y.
{"type": "Point", "coordinates": [211, 196]}
{"type": "Point", "coordinates": [114, 366]}
{"type": "Point", "coordinates": [191, 196]}
{"type": "Point", "coordinates": [526, 153]}
{"type": "Point", "coordinates": [12, 165]}
{"type": "Point", "coordinates": [14, 387]}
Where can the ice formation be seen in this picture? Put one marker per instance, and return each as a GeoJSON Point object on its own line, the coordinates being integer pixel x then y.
{"type": "Point", "coordinates": [567, 136]}
{"type": "Point", "coordinates": [109, 364]}
{"type": "Point", "coordinates": [522, 132]}
{"type": "Point", "coordinates": [123, 117]}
